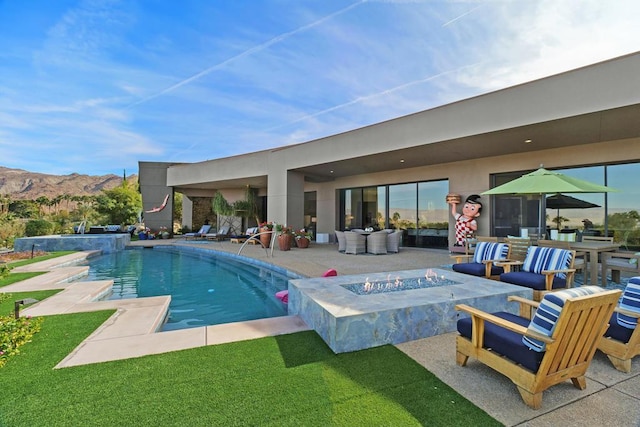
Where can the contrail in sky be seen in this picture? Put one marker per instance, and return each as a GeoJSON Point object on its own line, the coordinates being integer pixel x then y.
{"type": "Point", "coordinates": [247, 52]}
{"type": "Point", "coordinates": [374, 95]}
{"type": "Point", "coordinates": [461, 16]}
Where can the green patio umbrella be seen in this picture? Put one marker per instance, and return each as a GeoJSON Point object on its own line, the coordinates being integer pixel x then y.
{"type": "Point", "coordinates": [543, 181]}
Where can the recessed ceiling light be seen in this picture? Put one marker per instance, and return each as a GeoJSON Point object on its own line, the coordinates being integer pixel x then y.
{"type": "Point", "coordinates": [528, 141]}
{"type": "Point", "coordinates": [401, 160]}
{"type": "Point", "coordinates": [330, 171]}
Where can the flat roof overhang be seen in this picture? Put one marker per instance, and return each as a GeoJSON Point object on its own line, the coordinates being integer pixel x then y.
{"type": "Point", "coordinates": [610, 125]}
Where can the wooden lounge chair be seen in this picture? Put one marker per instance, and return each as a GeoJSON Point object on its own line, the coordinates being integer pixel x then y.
{"type": "Point", "coordinates": [469, 248]}
{"type": "Point", "coordinates": [248, 235]}
{"type": "Point", "coordinates": [543, 270]}
{"type": "Point", "coordinates": [621, 342]}
{"type": "Point", "coordinates": [620, 261]}
{"type": "Point", "coordinates": [200, 234]}
{"type": "Point", "coordinates": [580, 261]}
{"type": "Point", "coordinates": [519, 247]}
{"type": "Point", "coordinates": [223, 233]}
{"type": "Point", "coordinates": [483, 261]}
{"type": "Point", "coordinates": [535, 354]}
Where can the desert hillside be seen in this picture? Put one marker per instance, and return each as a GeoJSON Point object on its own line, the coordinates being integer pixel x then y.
{"type": "Point", "coordinates": [23, 185]}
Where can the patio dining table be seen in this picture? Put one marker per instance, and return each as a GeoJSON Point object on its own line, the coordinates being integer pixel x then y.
{"type": "Point", "coordinates": [594, 249]}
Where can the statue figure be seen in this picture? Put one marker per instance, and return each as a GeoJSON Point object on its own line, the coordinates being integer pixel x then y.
{"type": "Point", "coordinates": [466, 224]}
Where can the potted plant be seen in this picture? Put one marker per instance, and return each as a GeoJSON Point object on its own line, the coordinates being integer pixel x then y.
{"type": "Point", "coordinates": [266, 230]}
{"type": "Point", "coordinates": [164, 233]}
{"type": "Point", "coordinates": [303, 238]}
{"type": "Point", "coordinates": [285, 237]}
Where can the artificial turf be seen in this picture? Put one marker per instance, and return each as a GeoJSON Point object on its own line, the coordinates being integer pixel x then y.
{"type": "Point", "coordinates": [278, 381]}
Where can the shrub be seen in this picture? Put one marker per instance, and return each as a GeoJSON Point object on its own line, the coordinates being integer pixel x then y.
{"type": "Point", "coordinates": [38, 227]}
{"type": "Point", "coordinates": [10, 228]}
{"type": "Point", "coordinates": [4, 272]}
{"type": "Point", "coordinates": [16, 332]}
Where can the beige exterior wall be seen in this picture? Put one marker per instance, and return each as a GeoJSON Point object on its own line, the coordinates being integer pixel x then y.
{"type": "Point", "coordinates": [154, 188]}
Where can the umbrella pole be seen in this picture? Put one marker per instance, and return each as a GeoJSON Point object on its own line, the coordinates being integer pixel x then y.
{"type": "Point", "coordinates": [542, 220]}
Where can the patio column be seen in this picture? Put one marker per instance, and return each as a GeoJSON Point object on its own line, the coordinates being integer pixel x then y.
{"type": "Point", "coordinates": [285, 197]}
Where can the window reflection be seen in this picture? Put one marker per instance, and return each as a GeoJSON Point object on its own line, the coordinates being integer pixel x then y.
{"type": "Point", "coordinates": [417, 208]}
{"type": "Point", "coordinates": [617, 215]}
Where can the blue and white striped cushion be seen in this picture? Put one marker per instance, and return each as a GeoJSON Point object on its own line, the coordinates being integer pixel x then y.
{"type": "Point", "coordinates": [630, 300]}
{"type": "Point", "coordinates": [539, 259]}
{"type": "Point", "coordinates": [490, 250]}
{"type": "Point", "coordinates": [547, 314]}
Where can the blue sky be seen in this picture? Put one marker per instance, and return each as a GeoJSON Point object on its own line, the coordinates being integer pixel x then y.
{"type": "Point", "coordinates": [94, 86]}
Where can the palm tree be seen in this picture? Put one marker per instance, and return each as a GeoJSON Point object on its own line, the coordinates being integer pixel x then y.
{"type": "Point", "coordinates": [41, 202]}
{"type": "Point", "coordinates": [5, 202]}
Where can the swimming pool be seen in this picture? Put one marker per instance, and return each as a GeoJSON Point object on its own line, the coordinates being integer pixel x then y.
{"type": "Point", "coordinates": [206, 287]}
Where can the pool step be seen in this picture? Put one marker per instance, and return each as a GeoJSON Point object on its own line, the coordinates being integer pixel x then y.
{"type": "Point", "coordinates": [96, 349]}
{"type": "Point", "coordinates": [67, 300]}
{"type": "Point", "coordinates": [58, 262]}
{"type": "Point", "coordinates": [57, 278]}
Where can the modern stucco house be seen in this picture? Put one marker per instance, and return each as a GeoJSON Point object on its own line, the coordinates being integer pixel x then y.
{"type": "Point", "coordinates": [397, 173]}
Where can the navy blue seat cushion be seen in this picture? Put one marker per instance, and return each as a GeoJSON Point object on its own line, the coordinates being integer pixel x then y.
{"type": "Point", "coordinates": [476, 269]}
{"type": "Point", "coordinates": [618, 332]}
{"type": "Point", "coordinates": [505, 342]}
{"type": "Point", "coordinates": [531, 280]}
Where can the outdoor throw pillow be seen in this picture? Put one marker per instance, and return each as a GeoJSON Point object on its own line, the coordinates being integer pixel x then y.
{"type": "Point", "coordinates": [539, 259]}
{"type": "Point", "coordinates": [630, 300]}
{"type": "Point", "coordinates": [547, 314]}
{"type": "Point", "coordinates": [489, 251]}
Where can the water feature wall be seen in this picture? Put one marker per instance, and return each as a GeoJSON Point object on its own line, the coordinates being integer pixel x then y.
{"type": "Point", "coordinates": [107, 243]}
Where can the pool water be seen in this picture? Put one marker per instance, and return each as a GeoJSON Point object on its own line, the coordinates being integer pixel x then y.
{"type": "Point", "coordinates": [205, 289]}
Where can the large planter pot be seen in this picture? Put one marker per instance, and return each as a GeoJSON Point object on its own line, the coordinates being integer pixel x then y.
{"type": "Point", "coordinates": [302, 242]}
{"type": "Point", "coordinates": [142, 236]}
{"type": "Point", "coordinates": [284, 242]}
{"type": "Point", "coordinates": [265, 238]}
{"type": "Point", "coordinates": [165, 235]}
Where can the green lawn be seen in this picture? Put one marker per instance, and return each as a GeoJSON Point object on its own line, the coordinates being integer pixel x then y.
{"type": "Point", "coordinates": [18, 277]}
{"type": "Point", "coordinates": [289, 380]}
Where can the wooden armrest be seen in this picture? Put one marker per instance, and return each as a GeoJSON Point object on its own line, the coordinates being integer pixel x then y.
{"type": "Point", "coordinates": [509, 262]}
{"type": "Point", "coordinates": [526, 305]}
{"type": "Point", "coordinates": [514, 327]}
{"type": "Point", "coordinates": [459, 257]}
{"type": "Point", "coordinates": [492, 261]}
{"type": "Point", "coordinates": [550, 273]}
{"type": "Point", "coordinates": [554, 272]}
{"type": "Point", "coordinates": [524, 301]}
{"type": "Point", "coordinates": [627, 312]}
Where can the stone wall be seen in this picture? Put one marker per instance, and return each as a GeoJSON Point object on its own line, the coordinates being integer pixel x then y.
{"type": "Point", "coordinates": [202, 212]}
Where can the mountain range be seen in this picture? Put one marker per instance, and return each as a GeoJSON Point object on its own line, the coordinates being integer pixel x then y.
{"type": "Point", "coordinates": [24, 185]}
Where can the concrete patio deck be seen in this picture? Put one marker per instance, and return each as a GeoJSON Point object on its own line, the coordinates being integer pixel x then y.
{"type": "Point", "coordinates": [611, 397]}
